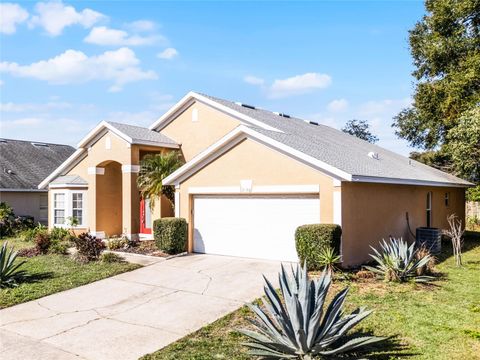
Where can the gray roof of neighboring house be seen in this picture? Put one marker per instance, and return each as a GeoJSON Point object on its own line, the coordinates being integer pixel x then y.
{"type": "Point", "coordinates": [70, 180]}
{"type": "Point", "coordinates": [140, 134]}
{"type": "Point", "coordinates": [24, 164]}
{"type": "Point", "coordinates": [341, 150]}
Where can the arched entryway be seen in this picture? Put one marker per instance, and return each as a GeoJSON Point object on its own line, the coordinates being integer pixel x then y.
{"type": "Point", "coordinates": [109, 199]}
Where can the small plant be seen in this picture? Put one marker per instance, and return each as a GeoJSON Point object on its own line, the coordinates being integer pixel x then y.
{"type": "Point", "coordinates": [312, 240]}
{"type": "Point", "coordinates": [73, 222]}
{"type": "Point", "coordinates": [428, 267]}
{"type": "Point", "coordinates": [117, 243]}
{"type": "Point", "coordinates": [30, 234]}
{"type": "Point", "coordinates": [59, 233]}
{"type": "Point", "coordinates": [171, 234]}
{"type": "Point", "coordinates": [327, 258]}
{"type": "Point", "coordinates": [398, 261]}
{"type": "Point", "coordinates": [455, 233]}
{"type": "Point", "coordinates": [88, 247]}
{"type": "Point", "coordinates": [299, 327]}
{"type": "Point", "coordinates": [28, 252]}
{"type": "Point", "coordinates": [9, 271]}
{"type": "Point", "coordinates": [108, 257]}
{"type": "Point", "coordinates": [43, 241]}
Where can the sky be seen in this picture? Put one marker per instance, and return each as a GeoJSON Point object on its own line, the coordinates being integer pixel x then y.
{"type": "Point", "coordinates": [66, 66]}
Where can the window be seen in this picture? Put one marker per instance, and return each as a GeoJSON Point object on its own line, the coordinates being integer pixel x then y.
{"type": "Point", "coordinates": [69, 203]}
{"type": "Point", "coordinates": [447, 199]}
{"type": "Point", "coordinates": [429, 209]}
{"type": "Point", "coordinates": [59, 208]}
{"type": "Point", "coordinates": [77, 207]}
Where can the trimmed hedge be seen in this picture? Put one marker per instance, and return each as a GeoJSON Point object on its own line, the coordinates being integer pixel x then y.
{"type": "Point", "coordinates": [311, 239]}
{"type": "Point", "coordinates": [171, 234]}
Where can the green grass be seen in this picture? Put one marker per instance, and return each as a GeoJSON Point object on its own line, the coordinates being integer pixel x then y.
{"type": "Point", "coordinates": [440, 321]}
{"type": "Point", "coordinates": [49, 274]}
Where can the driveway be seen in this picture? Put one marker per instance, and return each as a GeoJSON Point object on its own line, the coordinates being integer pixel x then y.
{"type": "Point", "coordinates": [132, 314]}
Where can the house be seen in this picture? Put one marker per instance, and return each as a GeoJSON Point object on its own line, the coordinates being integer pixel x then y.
{"type": "Point", "coordinates": [251, 177]}
{"type": "Point", "coordinates": [23, 165]}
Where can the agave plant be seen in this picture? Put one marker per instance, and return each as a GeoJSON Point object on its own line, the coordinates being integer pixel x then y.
{"type": "Point", "coordinates": [399, 262]}
{"type": "Point", "coordinates": [299, 327]}
{"type": "Point", "coordinates": [328, 258]}
{"type": "Point", "coordinates": [9, 273]}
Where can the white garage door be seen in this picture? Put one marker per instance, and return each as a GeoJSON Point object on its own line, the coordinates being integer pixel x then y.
{"type": "Point", "coordinates": [260, 227]}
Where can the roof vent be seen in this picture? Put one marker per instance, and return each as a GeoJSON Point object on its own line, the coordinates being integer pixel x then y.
{"type": "Point", "coordinates": [373, 155]}
{"type": "Point", "coordinates": [3, 141]}
{"type": "Point", "coordinates": [39, 144]}
{"type": "Point", "coordinates": [313, 123]}
{"type": "Point", "coordinates": [245, 105]}
{"type": "Point", "coordinates": [282, 115]}
{"type": "Point", "coordinates": [8, 171]}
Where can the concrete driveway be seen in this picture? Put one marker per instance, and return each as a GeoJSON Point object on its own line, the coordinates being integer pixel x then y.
{"type": "Point", "coordinates": [132, 314]}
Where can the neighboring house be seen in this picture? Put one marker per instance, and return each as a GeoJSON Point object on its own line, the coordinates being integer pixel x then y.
{"type": "Point", "coordinates": [251, 177]}
{"type": "Point", "coordinates": [23, 165]}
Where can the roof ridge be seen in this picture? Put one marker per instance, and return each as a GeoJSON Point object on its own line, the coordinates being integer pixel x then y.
{"type": "Point", "coordinates": [137, 126]}
{"type": "Point", "coordinates": [35, 141]}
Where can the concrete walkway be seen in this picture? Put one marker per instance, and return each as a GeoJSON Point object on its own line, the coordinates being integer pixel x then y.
{"type": "Point", "coordinates": [132, 314]}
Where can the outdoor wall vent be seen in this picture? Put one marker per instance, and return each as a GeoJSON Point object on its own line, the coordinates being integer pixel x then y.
{"type": "Point", "coordinates": [373, 155]}
{"type": "Point", "coordinates": [245, 105]}
{"type": "Point", "coordinates": [313, 123]}
{"type": "Point", "coordinates": [282, 114]}
{"type": "Point", "coordinates": [39, 144]}
{"type": "Point", "coordinates": [3, 141]}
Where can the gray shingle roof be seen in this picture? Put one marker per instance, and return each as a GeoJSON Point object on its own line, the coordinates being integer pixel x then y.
{"type": "Point", "coordinates": [341, 150]}
{"type": "Point", "coordinates": [140, 134]}
{"type": "Point", "coordinates": [24, 165]}
{"type": "Point", "coordinates": [70, 180]}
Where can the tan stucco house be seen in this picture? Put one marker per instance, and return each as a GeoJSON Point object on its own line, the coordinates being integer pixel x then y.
{"type": "Point", "coordinates": [23, 165]}
{"type": "Point", "coordinates": [250, 177]}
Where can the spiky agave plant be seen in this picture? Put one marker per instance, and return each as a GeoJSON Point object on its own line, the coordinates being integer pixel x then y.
{"type": "Point", "coordinates": [399, 262]}
{"type": "Point", "coordinates": [299, 327]}
{"type": "Point", "coordinates": [9, 273]}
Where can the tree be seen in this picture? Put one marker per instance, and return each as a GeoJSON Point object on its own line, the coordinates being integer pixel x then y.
{"type": "Point", "coordinates": [463, 145]}
{"type": "Point", "coordinates": [445, 46]}
{"type": "Point", "coordinates": [360, 129]}
{"type": "Point", "coordinates": [154, 168]}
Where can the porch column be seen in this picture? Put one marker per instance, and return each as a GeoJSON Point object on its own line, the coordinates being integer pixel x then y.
{"type": "Point", "coordinates": [130, 201]}
{"type": "Point", "coordinates": [92, 197]}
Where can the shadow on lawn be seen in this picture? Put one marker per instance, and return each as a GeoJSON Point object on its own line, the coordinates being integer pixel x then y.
{"type": "Point", "coordinates": [471, 241]}
{"type": "Point", "coordinates": [36, 277]}
{"type": "Point", "coordinates": [390, 348]}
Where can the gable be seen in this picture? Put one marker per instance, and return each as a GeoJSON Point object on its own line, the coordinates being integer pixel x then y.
{"type": "Point", "coordinates": [195, 132]}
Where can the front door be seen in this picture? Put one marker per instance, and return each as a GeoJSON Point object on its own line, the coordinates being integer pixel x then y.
{"type": "Point", "coordinates": [145, 216]}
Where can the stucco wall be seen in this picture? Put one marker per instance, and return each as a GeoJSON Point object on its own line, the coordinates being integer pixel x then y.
{"type": "Point", "coordinates": [265, 167]}
{"type": "Point", "coordinates": [109, 200]}
{"type": "Point", "coordinates": [26, 203]}
{"type": "Point", "coordinates": [371, 212]}
{"type": "Point", "coordinates": [195, 136]}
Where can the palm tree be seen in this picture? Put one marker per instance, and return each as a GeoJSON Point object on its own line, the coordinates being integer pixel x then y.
{"type": "Point", "coordinates": [153, 169]}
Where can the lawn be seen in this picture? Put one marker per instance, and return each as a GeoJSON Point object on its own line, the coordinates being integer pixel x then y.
{"type": "Point", "coordinates": [440, 321]}
{"type": "Point", "coordinates": [49, 274]}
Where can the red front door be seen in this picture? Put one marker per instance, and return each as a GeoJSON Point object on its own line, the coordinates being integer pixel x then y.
{"type": "Point", "coordinates": [145, 216]}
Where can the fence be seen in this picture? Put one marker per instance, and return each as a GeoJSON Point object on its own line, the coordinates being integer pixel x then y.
{"type": "Point", "coordinates": [473, 209]}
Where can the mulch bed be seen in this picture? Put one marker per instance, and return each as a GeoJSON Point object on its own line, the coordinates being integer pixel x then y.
{"type": "Point", "coordinates": [144, 247]}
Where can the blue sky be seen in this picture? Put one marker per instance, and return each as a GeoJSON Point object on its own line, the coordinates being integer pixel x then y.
{"type": "Point", "coordinates": [65, 66]}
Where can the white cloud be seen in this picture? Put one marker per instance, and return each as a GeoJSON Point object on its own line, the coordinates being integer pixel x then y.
{"type": "Point", "coordinates": [54, 16]}
{"type": "Point", "coordinates": [102, 35]}
{"type": "Point", "coordinates": [74, 67]}
{"type": "Point", "coordinates": [253, 80]}
{"type": "Point", "coordinates": [11, 16]}
{"type": "Point", "coordinates": [168, 54]}
{"type": "Point", "coordinates": [337, 105]}
{"type": "Point", "coordinates": [376, 107]}
{"type": "Point", "coordinates": [11, 107]}
{"type": "Point", "coordinates": [141, 25]}
{"type": "Point", "coordinates": [30, 121]}
{"type": "Point", "coordinates": [299, 84]}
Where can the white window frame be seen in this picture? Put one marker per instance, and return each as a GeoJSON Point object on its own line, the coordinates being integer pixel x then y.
{"type": "Point", "coordinates": [69, 207]}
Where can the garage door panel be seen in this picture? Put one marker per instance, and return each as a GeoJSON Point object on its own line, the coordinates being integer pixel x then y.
{"type": "Point", "coordinates": [252, 226]}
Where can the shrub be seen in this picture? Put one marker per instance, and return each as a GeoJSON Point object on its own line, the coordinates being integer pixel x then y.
{"type": "Point", "coordinates": [296, 325]}
{"type": "Point", "coordinates": [59, 246]}
{"type": "Point", "coordinates": [11, 224]}
{"type": "Point", "coordinates": [171, 234]}
{"type": "Point", "coordinates": [312, 240]}
{"type": "Point", "coordinates": [88, 246]}
{"type": "Point", "coordinates": [43, 241]}
{"type": "Point", "coordinates": [9, 270]}
{"type": "Point", "coordinates": [117, 243]}
{"type": "Point", "coordinates": [28, 252]}
{"type": "Point", "coordinates": [59, 233]}
{"type": "Point", "coordinates": [109, 257]}
{"type": "Point", "coordinates": [30, 234]}
{"type": "Point", "coordinates": [399, 262]}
